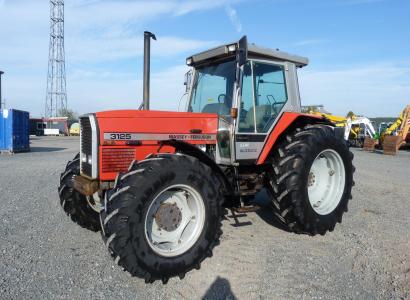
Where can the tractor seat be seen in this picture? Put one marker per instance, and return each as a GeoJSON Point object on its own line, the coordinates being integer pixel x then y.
{"type": "Point", "coordinates": [262, 112]}
{"type": "Point", "coordinates": [216, 108]}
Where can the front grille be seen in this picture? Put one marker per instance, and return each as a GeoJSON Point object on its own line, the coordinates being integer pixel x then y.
{"type": "Point", "coordinates": [86, 146]}
{"type": "Point", "coordinates": [117, 159]}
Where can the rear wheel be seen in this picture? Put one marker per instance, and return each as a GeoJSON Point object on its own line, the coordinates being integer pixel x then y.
{"type": "Point", "coordinates": [83, 210]}
{"type": "Point", "coordinates": [163, 217]}
{"type": "Point", "coordinates": [311, 180]}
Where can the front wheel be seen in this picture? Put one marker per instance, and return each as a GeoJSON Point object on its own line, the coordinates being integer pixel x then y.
{"type": "Point", "coordinates": [311, 180]}
{"type": "Point", "coordinates": [83, 210]}
{"type": "Point", "coordinates": [163, 217]}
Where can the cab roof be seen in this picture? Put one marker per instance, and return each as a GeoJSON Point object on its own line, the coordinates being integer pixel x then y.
{"type": "Point", "coordinates": [253, 51]}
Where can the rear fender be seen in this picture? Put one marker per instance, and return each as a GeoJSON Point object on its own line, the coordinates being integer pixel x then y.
{"type": "Point", "coordinates": [288, 122]}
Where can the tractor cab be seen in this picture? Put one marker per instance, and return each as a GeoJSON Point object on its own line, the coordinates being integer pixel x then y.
{"type": "Point", "coordinates": [249, 88]}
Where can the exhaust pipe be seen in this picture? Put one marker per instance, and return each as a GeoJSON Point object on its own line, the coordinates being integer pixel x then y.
{"type": "Point", "coordinates": [147, 57]}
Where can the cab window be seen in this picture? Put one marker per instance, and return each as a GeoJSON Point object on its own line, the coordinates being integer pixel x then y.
{"type": "Point", "coordinates": [267, 83]}
{"type": "Point", "coordinates": [247, 114]}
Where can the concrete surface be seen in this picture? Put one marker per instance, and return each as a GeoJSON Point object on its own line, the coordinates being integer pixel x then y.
{"type": "Point", "coordinates": [43, 255]}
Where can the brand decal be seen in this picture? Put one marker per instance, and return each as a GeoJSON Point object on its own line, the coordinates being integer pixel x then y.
{"type": "Point", "coordinates": [119, 136]}
{"type": "Point", "coordinates": [128, 136]}
{"type": "Point", "coordinates": [249, 150]}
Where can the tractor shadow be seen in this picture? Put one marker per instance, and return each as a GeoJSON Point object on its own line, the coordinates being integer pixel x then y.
{"type": "Point", "coordinates": [265, 212]}
{"type": "Point", "coordinates": [219, 289]}
{"type": "Point", "coordinates": [236, 217]}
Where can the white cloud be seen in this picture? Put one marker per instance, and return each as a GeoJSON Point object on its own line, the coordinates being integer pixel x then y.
{"type": "Point", "coordinates": [234, 18]}
{"type": "Point", "coordinates": [117, 48]}
{"type": "Point", "coordinates": [110, 28]}
{"type": "Point", "coordinates": [123, 91]}
{"type": "Point", "coordinates": [372, 90]}
{"type": "Point", "coordinates": [97, 32]}
{"type": "Point", "coordinates": [185, 7]}
{"type": "Point", "coordinates": [95, 91]}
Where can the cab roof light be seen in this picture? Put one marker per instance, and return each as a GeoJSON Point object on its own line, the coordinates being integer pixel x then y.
{"type": "Point", "coordinates": [232, 48]}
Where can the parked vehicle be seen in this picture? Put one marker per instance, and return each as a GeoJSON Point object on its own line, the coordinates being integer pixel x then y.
{"type": "Point", "coordinates": [156, 183]}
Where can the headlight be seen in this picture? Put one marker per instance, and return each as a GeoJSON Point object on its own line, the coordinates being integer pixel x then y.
{"type": "Point", "coordinates": [223, 138]}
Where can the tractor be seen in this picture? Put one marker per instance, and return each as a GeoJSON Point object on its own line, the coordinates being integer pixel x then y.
{"type": "Point", "coordinates": [157, 183]}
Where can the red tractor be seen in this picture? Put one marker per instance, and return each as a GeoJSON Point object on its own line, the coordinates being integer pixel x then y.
{"type": "Point", "coordinates": [157, 183]}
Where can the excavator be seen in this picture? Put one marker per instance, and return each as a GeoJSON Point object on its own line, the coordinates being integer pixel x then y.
{"type": "Point", "coordinates": [356, 129]}
{"type": "Point", "coordinates": [397, 134]}
{"type": "Point", "coordinates": [394, 137]}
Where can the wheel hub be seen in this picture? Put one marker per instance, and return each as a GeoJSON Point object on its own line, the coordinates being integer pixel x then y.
{"type": "Point", "coordinates": [94, 202]}
{"type": "Point", "coordinates": [168, 217]}
{"type": "Point", "coordinates": [175, 220]}
{"type": "Point", "coordinates": [326, 182]}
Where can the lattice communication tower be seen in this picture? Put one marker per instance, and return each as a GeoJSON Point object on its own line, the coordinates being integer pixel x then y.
{"type": "Point", "coordinates": [56, 97]}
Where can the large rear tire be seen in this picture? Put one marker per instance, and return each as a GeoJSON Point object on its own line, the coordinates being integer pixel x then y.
{"type": "Point", "coordinates": [163, 217]}
{"type": "Point", "coordinates": [79, 207]}
{"type": "Point", "coordinates": [311, 180]}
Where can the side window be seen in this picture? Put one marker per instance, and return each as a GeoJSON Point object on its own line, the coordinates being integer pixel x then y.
{"type": "Point", "coordinates": [270, 94]}
{"type": "Point", "coordinates": [246, 115]}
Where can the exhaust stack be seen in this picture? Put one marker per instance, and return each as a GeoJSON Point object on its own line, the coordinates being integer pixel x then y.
{"type": "Point", "coordinates": [147, 58]}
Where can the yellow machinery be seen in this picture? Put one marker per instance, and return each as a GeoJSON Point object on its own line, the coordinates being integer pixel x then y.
{"type": "Point", "coordinates": [75, 129]}
{"type": "Point", "coordinates": [338, 120]}
{"type": "Point", "coordinates": [356, 128]}
{"type": "Point", "coordinates": [395, 136]}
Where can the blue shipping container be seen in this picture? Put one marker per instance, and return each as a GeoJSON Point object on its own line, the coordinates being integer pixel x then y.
{"type": "Point", "coordinates": [14, 130]}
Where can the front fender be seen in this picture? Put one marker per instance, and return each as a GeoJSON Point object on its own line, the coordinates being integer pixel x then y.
{"type": "Point", "coordinates": [189, 149]}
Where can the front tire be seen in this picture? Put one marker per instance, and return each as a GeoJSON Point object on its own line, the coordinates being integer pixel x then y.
{"type": "Point", "coordinates": [74, 204]}
{"type": "Point", "coordinates": [311, 180]}
{"type": "Point", "coordinates": [163, 217]}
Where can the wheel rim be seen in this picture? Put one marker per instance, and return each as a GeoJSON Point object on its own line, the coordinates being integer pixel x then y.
{"type": "Point", "coordinates": [326, 182]}
{"type": "Point", "coordinates": [94, 202]}
{"type": "Point", "coordinates": [174, 220]}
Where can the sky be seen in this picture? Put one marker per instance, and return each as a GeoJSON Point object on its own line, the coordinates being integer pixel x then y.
{"type": "Point", "coordinates": [359, 50]}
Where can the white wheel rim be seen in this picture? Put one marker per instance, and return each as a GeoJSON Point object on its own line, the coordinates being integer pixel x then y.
{"type": "Point", "coordinates": [94, 202]}
{"type": "Point", "coordinates": [326, 182]}
{"type": "Point", "coordinates": [175, 220]}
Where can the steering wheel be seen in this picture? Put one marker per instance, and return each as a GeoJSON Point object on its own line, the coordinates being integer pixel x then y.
{"type": "Point", "coordinates": [221, 97]}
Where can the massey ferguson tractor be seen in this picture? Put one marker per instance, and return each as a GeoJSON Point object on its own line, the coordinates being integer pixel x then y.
{"type": "Point", "coordinates": [157, 183]}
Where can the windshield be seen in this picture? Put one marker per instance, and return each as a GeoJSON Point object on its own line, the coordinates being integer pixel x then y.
{"type": "Point", "coordinates": [213, 89]}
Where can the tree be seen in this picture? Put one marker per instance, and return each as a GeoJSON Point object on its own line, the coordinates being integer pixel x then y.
{"type": "Point", "coordinates": [69, 113]}
{"type": "Point", "coordinates": [309, 109]}
{"type": "Point", "coordinates": [350, 114]}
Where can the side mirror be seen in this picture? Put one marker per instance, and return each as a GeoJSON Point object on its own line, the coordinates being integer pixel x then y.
{"type": "Point", "coordinates": [188, 80]}
{"type": "Point", "coordinates": [242, 51]}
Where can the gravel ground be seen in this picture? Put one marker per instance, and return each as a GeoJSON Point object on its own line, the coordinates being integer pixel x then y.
{"type": "Point", "coordinates": [43, 255]}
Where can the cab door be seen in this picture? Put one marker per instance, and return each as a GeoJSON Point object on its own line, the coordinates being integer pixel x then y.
{"type": "Point", "coordinates": [264, 96]}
